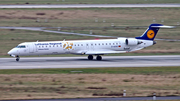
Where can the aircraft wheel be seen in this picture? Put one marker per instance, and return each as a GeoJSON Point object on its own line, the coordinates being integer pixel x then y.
{"type": "Point", "coordinates": [98, 58]}
{"type": "Point", "coordinates": [17, 58]}
{"type": "Point", "coordinates": [90, 57]}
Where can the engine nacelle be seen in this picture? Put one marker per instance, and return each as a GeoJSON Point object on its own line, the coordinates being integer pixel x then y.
{"type": "Point", "coordinates": [132, 42]}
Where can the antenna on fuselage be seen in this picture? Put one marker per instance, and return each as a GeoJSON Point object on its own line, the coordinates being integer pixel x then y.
{"type": "Point", "coordinates": [64, 40]}
{"type": "Point", "coordinates": [37, 41]}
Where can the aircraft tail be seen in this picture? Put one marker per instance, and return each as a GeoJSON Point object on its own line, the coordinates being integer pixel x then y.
{"type": "Point", "coordinates": [151, 32]}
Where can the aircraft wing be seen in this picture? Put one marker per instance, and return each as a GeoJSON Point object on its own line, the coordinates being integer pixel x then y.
{"type": "Point", "coordinates": [102, 52]}
{"type": "Point", "coordinates": [51, 31]}
{"type": "Point", "coordinates": [71, 33]}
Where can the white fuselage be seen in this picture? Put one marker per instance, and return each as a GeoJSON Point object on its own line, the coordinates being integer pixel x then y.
{"type": "Point", "coordinates": [89, 47]}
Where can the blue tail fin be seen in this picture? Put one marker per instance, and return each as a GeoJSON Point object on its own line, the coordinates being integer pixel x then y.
{"type": "Point", "coordinates": [151, 32]}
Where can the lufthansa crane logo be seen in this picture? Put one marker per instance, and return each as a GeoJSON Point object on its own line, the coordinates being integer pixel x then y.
{"type": "Point", "coordinates": [150, 34]}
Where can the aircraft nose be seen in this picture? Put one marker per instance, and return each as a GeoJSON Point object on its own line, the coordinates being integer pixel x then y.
{"type": "Point", "coordinates": [11, 52]}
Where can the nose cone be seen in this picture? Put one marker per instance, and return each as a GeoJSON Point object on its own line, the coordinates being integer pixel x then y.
{"type": "Point", "coordinates": [11, 52]}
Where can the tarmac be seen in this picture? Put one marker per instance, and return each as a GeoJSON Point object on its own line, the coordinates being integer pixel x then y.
{"type": "Point", "coordinates": [83, 62]}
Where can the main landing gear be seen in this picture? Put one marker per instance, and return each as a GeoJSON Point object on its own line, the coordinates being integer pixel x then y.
{"type": "Point", "coordinates": [17, 58]}
{"type": "Point", "coordinates": [90, 57]}
{"type": "Point", "coordinates": [98, 58]}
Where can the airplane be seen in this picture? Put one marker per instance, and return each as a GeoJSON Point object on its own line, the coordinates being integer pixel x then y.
{"type": "Point", "coordinates": [88, 47]}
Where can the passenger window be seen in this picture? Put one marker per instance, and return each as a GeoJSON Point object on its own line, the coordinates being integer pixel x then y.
{"type": "Point", "coordinates": [99, 44]}
{"type": "Point", "coordinates": [102, 43]}
{"type": "Point", "coordinates": [81, 44]}
{"type": "Point", "coordinates": [106, 44]}
{"type": "Point", "coordinates": [109, 43]}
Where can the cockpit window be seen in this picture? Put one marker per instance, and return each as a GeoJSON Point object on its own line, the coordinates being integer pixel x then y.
{"type": "Point", "coordinates": [21, 46]}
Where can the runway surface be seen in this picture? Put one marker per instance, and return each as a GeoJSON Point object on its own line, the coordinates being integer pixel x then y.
{"type": "Point", "coordinates": [107, 99]}
{"type": "Point", "coordinates": [83, 62]}
{"type": "Point", "coordinates": [90, 6]}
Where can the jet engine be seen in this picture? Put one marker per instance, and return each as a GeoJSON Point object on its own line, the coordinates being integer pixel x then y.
{"type": "Point", "coordinates": [132, 42]}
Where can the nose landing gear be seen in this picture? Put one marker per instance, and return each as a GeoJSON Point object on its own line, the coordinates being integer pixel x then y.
{"type": "Point", "coordinates": [17, 58]}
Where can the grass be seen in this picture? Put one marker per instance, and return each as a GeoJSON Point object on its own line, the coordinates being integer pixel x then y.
{"type": "Point", "coordinates": [86, 17]}
{"type": "Point", "coordinates": [91, 82]}
{"type": "Point", "coordinates": [130, 70]}
{"type": "Point", "coordinates": [85, 1]}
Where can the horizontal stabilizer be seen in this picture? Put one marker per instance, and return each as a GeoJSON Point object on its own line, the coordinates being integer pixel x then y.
{"type": "Point", "coordinates": [163, 26]}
